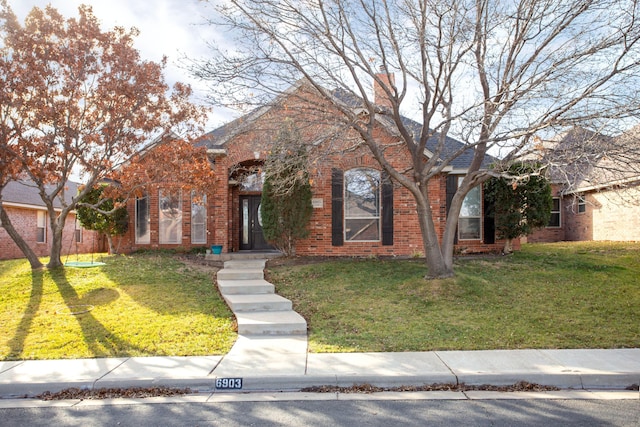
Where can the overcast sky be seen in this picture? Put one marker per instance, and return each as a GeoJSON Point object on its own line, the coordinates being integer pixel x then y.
{"type": "Point", "coordinates": [167, 27]}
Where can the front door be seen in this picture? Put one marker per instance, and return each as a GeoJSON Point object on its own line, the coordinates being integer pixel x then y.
{"type": "Point", "coordinates": [251, 237]}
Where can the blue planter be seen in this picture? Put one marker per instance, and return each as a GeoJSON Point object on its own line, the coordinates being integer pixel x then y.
{"type": "Point", "coordinates": [216, 249]}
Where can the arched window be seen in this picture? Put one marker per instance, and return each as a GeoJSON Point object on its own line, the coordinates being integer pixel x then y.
{"type": "Point", "coordinates": [362, 205]}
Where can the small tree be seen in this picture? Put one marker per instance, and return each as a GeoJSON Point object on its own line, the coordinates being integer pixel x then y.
{"type": "Point", "coordinates": [286, 195]}
{"type": "Point", "coordinates": [105, 215]}
{"type": "Point", "coordinates": [521, 203]}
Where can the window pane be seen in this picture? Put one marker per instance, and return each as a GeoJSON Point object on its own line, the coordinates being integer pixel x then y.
{"type": "Point", "coordinates": [469, 228]}
{"type": "Point", "coordinates": [41, 226]}
{"type": "Point", "coordinates": [554, 219]}
{"type": "Point", "coordinates": [198, 218]}
{"type": "Point", "coordinates": [362, 193]}
{"type": "Point", "coordinates": [469, 224]}
{"type": "Point", "coordinates": [471, 206]}
{"type": "Point", "coordinates": [582, 205]}
{"type": "Point", "coordinates": [170, 219]}
{"type": "Point", "coordinates": [143, 234]}
{"type": "Point", "coordinates": [362, 204]}
{"type": "Point", "coordinates": [362, 229]}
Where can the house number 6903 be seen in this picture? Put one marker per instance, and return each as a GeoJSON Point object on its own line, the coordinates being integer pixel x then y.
{"type": "Point", "coordinates": [229, 383]}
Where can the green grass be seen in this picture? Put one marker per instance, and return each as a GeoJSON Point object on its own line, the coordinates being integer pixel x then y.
{"type": "Point", "coordinates": [141, 305]}
{"type": "Point", "coordinates": [569, 295]}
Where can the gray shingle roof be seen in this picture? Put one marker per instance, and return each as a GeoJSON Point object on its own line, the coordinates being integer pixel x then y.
{"type": "Point", "coordinates": [25, 192]}
{"type": "Point", "coordinates": [217, 138]}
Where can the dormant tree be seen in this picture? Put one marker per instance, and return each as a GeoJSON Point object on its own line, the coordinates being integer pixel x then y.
{"type": "Point", "coordinates": [496, 74]}
{"type": "Point", "coordinates": [74, 96]}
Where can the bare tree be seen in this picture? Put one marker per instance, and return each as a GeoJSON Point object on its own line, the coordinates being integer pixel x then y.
{"type": "Point", "coordinates": [497, 75]}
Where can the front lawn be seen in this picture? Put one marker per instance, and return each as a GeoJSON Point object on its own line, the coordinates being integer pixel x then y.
{"type": "Point", "coordinates": [566, 295]}
{"type": "Point", "coordinates": [141, 305]}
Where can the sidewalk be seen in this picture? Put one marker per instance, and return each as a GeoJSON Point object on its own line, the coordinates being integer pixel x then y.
{"type": "Point", "coordinates": [275, 364]}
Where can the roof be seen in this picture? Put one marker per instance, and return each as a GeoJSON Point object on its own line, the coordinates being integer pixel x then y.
{"type": "Point", "coordinates": [217, 138]}
{"type": "Point", "coordinates": [585, 160]}
{"type": "Point", "coordinates": [25, 192]}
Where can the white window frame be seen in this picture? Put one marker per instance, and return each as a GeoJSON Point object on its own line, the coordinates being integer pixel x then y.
{"type": "Point", "coordinates": [169, 217]}
{"type": "Point", "coordinates": [146, 237]}
{"type": "Point", "coordinates": [558, 212]}
{"type": "Point", "coordinates": [198, 202]}
{"type": "Point", "coordinates": [41, 226]}
{"type": "Point", "coordinates": [355, 217]}
{"type": "Point", "coordinates": [78, 232]}
{"type": "Point", "coordinates": [475, 190]}
{"type": "Point", "coordinates": [582, 204]}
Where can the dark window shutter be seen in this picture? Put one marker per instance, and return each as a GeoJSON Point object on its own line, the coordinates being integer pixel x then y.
{"type": "Point", "coordinates": [337, 210]}
{"type": "Point", "coordinates": [452, 187]}
{"type": "Point", "coordinates": [489, 225]}
{"type": "Point", "coordinates": [387, 210]}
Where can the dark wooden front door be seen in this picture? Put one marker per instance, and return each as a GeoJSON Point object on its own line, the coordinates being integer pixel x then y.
{"type": "Point", "coordinates": [251, 237]}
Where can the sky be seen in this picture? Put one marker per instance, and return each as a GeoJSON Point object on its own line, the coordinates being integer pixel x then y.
{"type": "Point", "coordinates": [172, 28]}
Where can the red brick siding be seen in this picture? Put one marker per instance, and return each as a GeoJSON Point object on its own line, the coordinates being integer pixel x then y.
{"type": "Point", "coordinates": [24, 221]}
{"type": "Point", "coordinates": [253, 145]}
{"type": "Point", "coordinates": [551, 234]}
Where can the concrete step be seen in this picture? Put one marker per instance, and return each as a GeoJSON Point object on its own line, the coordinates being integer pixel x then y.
{"type": "Point", "coordinates": [257, 302]}
{"type": "Point", "coordinates": [242, 256]}
{"type": "Point", "coordinates": [240, 274]}
{"type": "Point", "coordinates": [248, 286]}
{"type": "Point", "coordinates": [245, 264]}
{"type": "Point", "coordinates": [271, 323]}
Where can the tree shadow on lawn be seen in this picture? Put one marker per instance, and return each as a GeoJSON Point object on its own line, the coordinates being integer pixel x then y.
{"type": "Point", "coordinates": [16, 344]}
{"type": "Point", "coordinates": [100, 341]}
{"type": "Point", "coordinates": [167, 285]}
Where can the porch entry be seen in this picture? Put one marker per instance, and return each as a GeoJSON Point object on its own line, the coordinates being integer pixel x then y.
{"type": "Point", "coordinates": [251, 237]}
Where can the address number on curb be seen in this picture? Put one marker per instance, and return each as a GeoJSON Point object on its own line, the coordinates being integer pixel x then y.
{"type": "Point", "coordinates": [229, 383]}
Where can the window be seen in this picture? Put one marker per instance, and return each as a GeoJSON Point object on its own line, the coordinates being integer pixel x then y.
{"type": "Point", "coordinates": [170, 218]}
{"type": "Point", "coordinates": [78, 232]}
{"type": "Point", "coordinates": [143, 234]}
{"type": "Point", "coordinates": [582, 204]}
{"type": "Point", "coordinates": [198, 218]}
{"type": "Point", "coordinates": [41, 226]}
{"type": "Point", "coordinates": [554, 219]}
{"type": "Point", "coordinates": [362, 205]}
{"type": "Point", "coordinates": [470, 215]}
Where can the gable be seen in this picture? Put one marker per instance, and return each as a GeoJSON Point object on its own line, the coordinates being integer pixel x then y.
{"type": "Point", "coordinates": [216, 141]}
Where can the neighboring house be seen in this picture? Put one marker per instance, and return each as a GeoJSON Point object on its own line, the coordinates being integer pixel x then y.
{"type": "Point", "coordinates": [357, 211]}
{"type": "Point", "coordinates": [29, 216]}
{"type": "Point", "coordinates": [596, 191]}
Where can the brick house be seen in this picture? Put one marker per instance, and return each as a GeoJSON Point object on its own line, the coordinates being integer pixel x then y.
{"type": "Point", "coordinates": [596, 196]}
{"type": "Point", "coordinates": [29, 216]}
{"type": "Point", "coordinates": [357, 211]}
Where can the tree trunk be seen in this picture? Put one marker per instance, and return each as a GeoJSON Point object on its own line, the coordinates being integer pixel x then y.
{"type": "Point", "coordinates": [19, 241]}
{"type": "Point", "coordinates": [508, 247]}
{"type": "Point", "coordinates": [436, 265]}
{"type": "Point", "coordinates": [56, 246]}
{"type": "Point", "coordinates": [57, 232]}
{"type": "Point", "coordinates": [112, 248]}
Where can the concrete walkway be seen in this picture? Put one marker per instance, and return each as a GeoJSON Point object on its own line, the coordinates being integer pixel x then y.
{"type": "Point", "coordinates": [272, 338]}
{"type": "Point", "coordinates": [271, 355]}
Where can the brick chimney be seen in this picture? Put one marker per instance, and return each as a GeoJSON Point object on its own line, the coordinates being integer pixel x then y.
{"type": "Point", "coordinates": [379, 96]}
